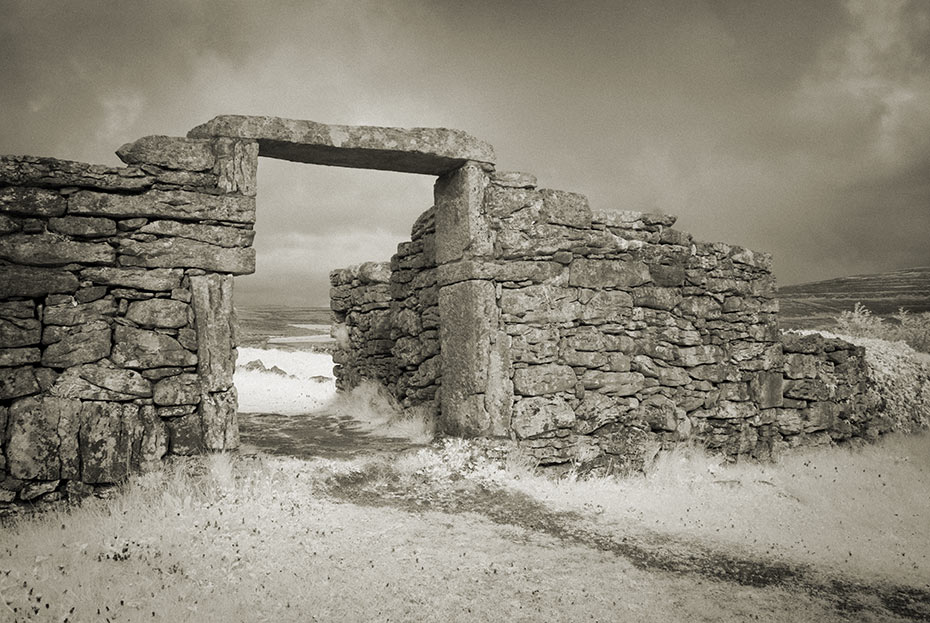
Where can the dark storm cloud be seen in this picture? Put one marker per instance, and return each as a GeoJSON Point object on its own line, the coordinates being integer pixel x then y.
{"type": "Point", "coordinates": [800, 128]}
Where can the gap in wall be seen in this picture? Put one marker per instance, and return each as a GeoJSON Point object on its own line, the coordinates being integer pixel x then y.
{"type": "Point", "coordinates": [311, 219]}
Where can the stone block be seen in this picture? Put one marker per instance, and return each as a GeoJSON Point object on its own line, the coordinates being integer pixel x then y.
{"type": "Point", "coordinates": [715, 372]}
{"type": "Point", "coordinates": [541, 304]}
{"type": "Point", "coordinates": [729, 410]}
{"type": "Point", "coordinates": [152, 445]}
{"type": "Point", "coordinates": [565, 208]}
{"type": "Point", "coordinates": [185, 435]}
{"type": "Point", "coordinates": [433, 151]}
{"type": "Point", "coordinates": [10, 357]}
{"type": "Point", "coordinates": [71, 313]}
{"type": "Point", "coordinates": [219, 421]}
{"type": "Point", "coordinates": [43, 438]}
{"type": "Point", "coordinates": [540, 414]}
{"type": "Point", "coordinates": [236, 165]}
{"type": "Point", "coordinates": [820, 415]}
{"type": "Point", "coordinates": [172, 204]}
{"type": "Point", "coordinates": [52, 249]}
{"type": "Point", "coordinates": [671, 376]}
{"type": "Point", "coordinates": [101, 381]}
{"type": "Point", "coordinates": [469, 313]}
{"type": "Point", "coordinates": [140, 348]}
{"type": "Point", "coordinates": [16, 382]}
{"type": "Point", "coordinates": [656, 298]}
{"type": "Point", "coordinates": [83, 226]}
{"type": "Point", "coordinates": [607, 306]}
{"type": "Point", "coordinates": [157, 280]}
{"type": "Point", "coordinates": [211, 234]}
{"type": "Point", "coordinates": [108, 432]}
{"type": "Point", "coordinates": [17, 331]}
{"type": "Point", "coordinates": [214, 320]}
{"type": "Point", "coordinates": [9, 225]}
{"type": "Point", "coordinates": [607, 273]}
{"type": "Point", "coordinates": [544, 379]}
{"type": "Point", "coordinates": [613, 383]}
{"type": "Point", "coordinates": [183, 389]}
{"type": "Point", "coordinates": [31, 201]}
{"type": "Point", "coordinates": [461, 228]}
{"type": "Point", "coordinates": [184, 253]}
{"type": "Point", "coordinates": [77, 345]}
{"type": "Point", "coordinates": [33, 171]}
{"type": "Point", "coordinates": [767, 389]}
{"type": "Point", "coordinates": [169, 152]}
{"type": "Point", "coordinates": [806, 389]}
{"type": "Point", "coordinates": [800, 366]}
{"type": "Point", "coordinates": [90, 293]}
{"type": "Point", "coordinates": [660, 413]}
{"type": "Point", "coordinates": [163, 313]}
{"type": "Point", "coordinates": [697, 355]}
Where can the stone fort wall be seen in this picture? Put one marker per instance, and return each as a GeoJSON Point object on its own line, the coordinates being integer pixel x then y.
{"type": "Point", "coordinates": [600, 337]}
{"type": "Point", "coordinates": [513, 312]}
{"type": "Point", "coordinates": [117, 342]}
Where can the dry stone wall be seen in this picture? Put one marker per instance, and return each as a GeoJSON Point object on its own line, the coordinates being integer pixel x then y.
{"type": "Point", "coordinates": [117, 338]}
{"type": "Point", "coordinates": [513, 312]}
{"type": "Point", "coordinates": [599, 338]}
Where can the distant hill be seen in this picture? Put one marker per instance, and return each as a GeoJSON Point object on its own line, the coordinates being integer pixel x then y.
{"type": "Point", "coordinates": [817, 303]}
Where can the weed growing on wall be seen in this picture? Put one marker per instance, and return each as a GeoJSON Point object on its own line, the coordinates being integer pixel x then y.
{"type": "Point", "coordinates": [913, 329]}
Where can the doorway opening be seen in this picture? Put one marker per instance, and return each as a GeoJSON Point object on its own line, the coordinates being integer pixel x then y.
{"type": "Point", "coordinates": [311, 220]}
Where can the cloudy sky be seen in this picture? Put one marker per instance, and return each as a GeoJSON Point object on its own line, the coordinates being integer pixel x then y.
{"type": "Point", "coordinates": [799, 128]}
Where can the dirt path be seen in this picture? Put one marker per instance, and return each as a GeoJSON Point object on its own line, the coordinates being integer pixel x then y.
{"type": "Point", "coordinates": [645, 550]}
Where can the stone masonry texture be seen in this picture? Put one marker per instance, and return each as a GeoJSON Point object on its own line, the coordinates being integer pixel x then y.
{"type": "Point", "coordinates": [584, 336]}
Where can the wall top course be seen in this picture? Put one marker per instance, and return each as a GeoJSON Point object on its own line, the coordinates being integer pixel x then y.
{"type": "Point", "coordinates": [432, 151]}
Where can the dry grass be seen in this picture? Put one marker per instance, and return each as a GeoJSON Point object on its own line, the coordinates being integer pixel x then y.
{"type": "Point", "coordinates": [255, 540]}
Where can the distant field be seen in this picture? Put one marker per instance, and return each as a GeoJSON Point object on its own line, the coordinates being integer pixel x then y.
{"type": "Point", "coordinates": [305, 328]}
{"type": "Point", "coordinates": [816, 304]}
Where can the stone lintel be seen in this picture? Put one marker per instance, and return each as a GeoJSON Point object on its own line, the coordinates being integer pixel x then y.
{"type": "Point", "coordinates": [431, 151]}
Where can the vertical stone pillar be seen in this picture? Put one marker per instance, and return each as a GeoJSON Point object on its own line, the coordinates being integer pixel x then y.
{"type": "Point", "coordinates": [214, 319]}
{"type": "Point", "coordinates": [475, 396]}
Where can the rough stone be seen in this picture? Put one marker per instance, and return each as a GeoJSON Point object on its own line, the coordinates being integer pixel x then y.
{"type": "Point", "coordinates": [183, 389]}
{"type": "Point", "coordinates": [10, 357]}
{"type": "Point", "coordinates": [433, 151]}
{"type": "Point", "coordinates": [540, 414]}
{"type": "Point", "coordinates": [15, 382]}
{"type": "Point", "coordinates": [53, 250]}
{"type": "Point", "coordinates": [169, 152]}
{"type": "Point", "coordinates": [185, 435]}
{"type": "Point", "coordinates": [614, 383]}
{"type": "Point", "coordinates": [54, 173]}
{"type": "Point", "coordinates": [79, 345]}
{"type": "Point", "coordinates": [101, 381]}
{"type": "Point", "coordinates": [164, 313]}
{"type": "Point", "coordinates": [19, 331]}
{"type": "Point", "coordinates": [607, 273]}
{"type": "Point", "coordinates": [218, 415]}
{"type": "Point", "coordinates": [83, 226]}
{"type": "Point", "coordinates": [157, 280]}
{"type": "Point", "coordinates": [461, 230]}
{"type": "Point", "coordinates": [211, 234]}
{"type": "Point", "coordinates": [31, 201]}
{"type": "Point", "coordinates": [212, 301]}
{"type": "Point", "coordinates": [140, 348]}
{"type": "Point", "coordinates": [171, 204]}
{"type": "Point", "coordinates": [185, 253]}
{"type": "Point", "coordinates": [43, 442]}
{"type": "Point", "coordinates": [107, 435]}
{"type": "Point", "coordinates": [71, 313]}
{"type": "Point", "coordinates": [236, 165]}
{"type": "Point", "coordinates": [543, 379]}
{"type": "Point", "coordinates": [768, 389]}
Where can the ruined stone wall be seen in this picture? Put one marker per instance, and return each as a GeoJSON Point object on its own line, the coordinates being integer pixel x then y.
{"type": "Point", "coordinates": [601, 337]}
{"type": "Point", "coordinates": [387, 321]}
{"type": "Point", "coordinates": [116, 317]}
{"type": "Point", "coordinates": [361, 302]}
